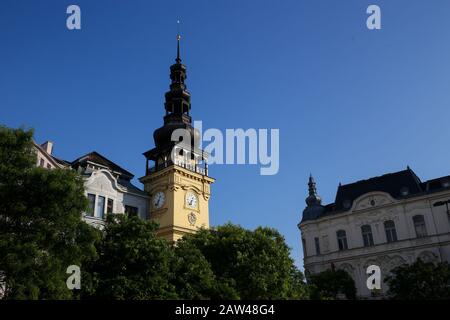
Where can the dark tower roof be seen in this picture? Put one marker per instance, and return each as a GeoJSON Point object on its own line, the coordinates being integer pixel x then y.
{"type": "Point", "coordinates": [313, 198]}
{"type": "Point", "coordinates": [178, 99]}
{"type": "Point", "coordinates": [177, 106]}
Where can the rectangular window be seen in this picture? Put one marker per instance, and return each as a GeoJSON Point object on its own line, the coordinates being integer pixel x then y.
{"type": "Point", "coordinates": [366, 231]}
{"type": "Point", "coordinates": [91, 207]}
{"type": "Point", "coordinates": [368, 240]}
{"type": "Point", "coordinates": [42, 163]}
{"type": "Point", "coordinates": [391, 232]}
{"type": "Point", "coordinates": [419, 225]}
{"type": "Point", "coordinates": [316, 241]}
{"type": "Point", "coordinates": [100, 207]}
{"type": "Point", "coordinates": [131, 211]}
{"type": "Point", "coordinates": [391, 235]}
{"type": "Point", "coordinates": [304, 247]}
{"type": "Point", "coordinates": [342, 240]}
{"type": "Point", "coordinates": [110, 206]}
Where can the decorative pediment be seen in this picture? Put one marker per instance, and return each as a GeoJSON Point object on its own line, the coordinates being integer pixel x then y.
{"type": "Point", "coordinates": [372, 200]}
{"type": "Point", "coordinates": [103, 180]}
{"type": "Point", "coordinates": [192, 188]}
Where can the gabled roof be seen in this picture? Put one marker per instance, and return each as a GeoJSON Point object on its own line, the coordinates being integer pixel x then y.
{"type": "Point", "coordinates": [56, 161]}
{"type": "Point", "coordinates": [97, 158]}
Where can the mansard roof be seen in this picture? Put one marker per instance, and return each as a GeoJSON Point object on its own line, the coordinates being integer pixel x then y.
{"type": "Point", "coordinates": [393, 183]}
{"type": "Point", "coordinates": [399, 185]}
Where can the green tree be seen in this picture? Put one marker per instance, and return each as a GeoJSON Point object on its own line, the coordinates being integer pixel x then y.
{"type": "Point", "coordinates": [249, 264]}
{"type": "Point", "coordinates": [331, 284]}
{"type": "Point", "coordinates": [133, 263]}
{"type": "Point", "coordinates": [192, 274]}
{"type": "Point", "coordinates": [420, 281]}
{"type": "Point", "coordinates": [41, 231]}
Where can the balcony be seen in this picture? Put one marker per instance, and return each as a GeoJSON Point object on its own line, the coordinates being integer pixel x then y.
{"type": "Point", "coordinates": [189, 166]}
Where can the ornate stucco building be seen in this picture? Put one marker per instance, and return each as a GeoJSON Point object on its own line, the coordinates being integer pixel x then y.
{"type": "Point", "coordinates": [109, 189]}
{"type": "Point", "coordinates": [108, 186]}
{"type": "Point", "coordinates": [387, 221]}
{"type": "Point", "coordinates": [177, 173]}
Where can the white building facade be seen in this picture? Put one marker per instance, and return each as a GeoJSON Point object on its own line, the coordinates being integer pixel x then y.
{"type": "Point", "coordinates": [386, 221]}
{"type": "Point", "coordinates": [45, 158]}
{"type": "Point", "coordinates": [108, 187]}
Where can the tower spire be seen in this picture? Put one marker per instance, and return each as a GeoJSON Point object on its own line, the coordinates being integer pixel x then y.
{"type": "Point", "coordinates": [177, 104]}
{"type": "Point", "coordinates": [313, 198]}
{"type": "Point", "coordinates": [178, 59]}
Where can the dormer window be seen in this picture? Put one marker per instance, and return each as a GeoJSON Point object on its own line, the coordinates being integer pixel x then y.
{"type": "Point", "coordinates": [404, 191]}
{"type": "Point", "coordinates": [347, 204]}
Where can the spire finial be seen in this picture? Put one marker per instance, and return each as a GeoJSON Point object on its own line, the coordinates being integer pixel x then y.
{"type": "Point", "coordinates": [313, 198]}
{"type": "Point", "coordinates": [178, 59]}
{"type": "Point", "coordinates": [311, 185]}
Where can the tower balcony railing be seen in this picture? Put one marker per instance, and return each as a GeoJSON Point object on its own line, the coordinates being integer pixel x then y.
{"type": "Point", "coordinates": [189, 166]}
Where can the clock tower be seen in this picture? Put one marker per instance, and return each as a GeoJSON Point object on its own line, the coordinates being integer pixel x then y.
{"type": "Point", "coordinates": [176, 172]}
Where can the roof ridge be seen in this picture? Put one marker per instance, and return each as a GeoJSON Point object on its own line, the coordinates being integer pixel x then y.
{"type": "Point", "coordinates": [377, 177]}
{"type": "Point", "coordinates": [126, 172]}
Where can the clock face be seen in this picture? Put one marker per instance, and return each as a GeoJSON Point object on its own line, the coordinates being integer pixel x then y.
{"type": "Point", "coordinates": [158, 200]}
{"type": "Point", "coordinates": [191, 200]}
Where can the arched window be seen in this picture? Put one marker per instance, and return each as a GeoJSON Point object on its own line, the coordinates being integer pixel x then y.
{"type": "Point", "coordinates": [391, 233]}
{"type": "Point", "coordinates": [366, 232]}
{"type": "Point", "coordinates": [419, 225]}
{"type": "Point", "coordinates": [342, 239]}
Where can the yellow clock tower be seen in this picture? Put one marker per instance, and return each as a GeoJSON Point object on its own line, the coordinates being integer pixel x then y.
{"type": "Point", "coordinates": [177, 172]}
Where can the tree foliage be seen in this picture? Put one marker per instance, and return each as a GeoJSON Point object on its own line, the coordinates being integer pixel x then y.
{"type": "Point", "coordinates": [41, 232]}
{"type": "Point", "coordinates": [420, 281]}
{"type": "Point", "coordinates": [193, 277]}
{"type": "Point", "coordinates": [331, 284]}
{"type": "Point", "coordinates": [248, 264]}
{"type": "Point", "coordinates": [133, 263]}
{"type": "Point", "coordinates": [227, 263]}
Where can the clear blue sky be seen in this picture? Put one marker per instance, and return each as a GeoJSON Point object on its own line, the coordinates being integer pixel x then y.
{"type": "Point", "coordinates": [350, 103]}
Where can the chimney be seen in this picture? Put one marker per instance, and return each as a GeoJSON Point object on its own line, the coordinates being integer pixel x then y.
{"type": "Point", "coordinates": [47, 146]}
